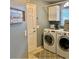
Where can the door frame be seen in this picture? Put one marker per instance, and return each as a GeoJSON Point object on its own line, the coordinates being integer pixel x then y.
{"type": "Point", "coordinates": [28, 27]}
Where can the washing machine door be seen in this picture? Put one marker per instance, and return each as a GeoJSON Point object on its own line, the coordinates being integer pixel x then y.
{"type": "Point", "coordinates": [64, 43]}
{"type": "Point", "coordinates": [49, 39]}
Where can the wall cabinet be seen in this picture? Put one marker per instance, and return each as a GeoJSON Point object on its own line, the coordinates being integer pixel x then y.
{"type": "Point", "coordinates": [54, 13]}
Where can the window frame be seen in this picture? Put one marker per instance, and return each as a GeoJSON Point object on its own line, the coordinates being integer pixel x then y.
{"type": "Point", "coordinates": [61, 8]}
{"type": "Point", "coordinates": [23, 12]}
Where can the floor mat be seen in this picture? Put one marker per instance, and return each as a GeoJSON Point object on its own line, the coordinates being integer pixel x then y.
{"type": "Point", "coordinates": [44, 54]}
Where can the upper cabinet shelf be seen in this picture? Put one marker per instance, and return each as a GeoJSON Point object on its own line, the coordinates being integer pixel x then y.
{"type": "Point", "coordinates": [54, 13]}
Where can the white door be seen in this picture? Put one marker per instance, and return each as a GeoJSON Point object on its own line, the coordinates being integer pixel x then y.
{"type": "Point", "coordinates": [31, 26]}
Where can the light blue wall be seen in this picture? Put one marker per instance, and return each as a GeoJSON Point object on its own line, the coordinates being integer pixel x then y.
{"type": "Point", "coordinates": [18, 41]}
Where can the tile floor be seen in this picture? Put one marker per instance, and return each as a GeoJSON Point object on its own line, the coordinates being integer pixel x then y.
{"type": "Point", "coordinates": [41, 53]}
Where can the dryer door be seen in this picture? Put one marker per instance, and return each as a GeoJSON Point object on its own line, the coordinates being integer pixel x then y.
{"type": "Point", "coordinates": [49, 39]}
{"type": "Point", "coordinates": [64, 43]}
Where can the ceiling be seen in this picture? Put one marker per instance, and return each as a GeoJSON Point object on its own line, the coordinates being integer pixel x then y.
{"type": "Point", "coordinates": [23, 2]}
{"type": "Point", "coordinates": [20, 3]}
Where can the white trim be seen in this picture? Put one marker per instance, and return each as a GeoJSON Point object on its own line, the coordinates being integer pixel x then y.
{"type": "Point", "coordinates": [66, 4]}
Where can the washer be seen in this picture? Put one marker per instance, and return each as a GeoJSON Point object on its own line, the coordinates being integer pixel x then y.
{"type": "Point", "coordinates": [49, 40]}
{"type": "Point", "coordinates": [63, 44]}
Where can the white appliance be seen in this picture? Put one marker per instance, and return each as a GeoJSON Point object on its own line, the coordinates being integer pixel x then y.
{"type": "Point", "coordinates": [63, 44]}
{"type": "Point", "coordinates": [49, 40]}
{"type": "Point", "coordinates": [52, 26]}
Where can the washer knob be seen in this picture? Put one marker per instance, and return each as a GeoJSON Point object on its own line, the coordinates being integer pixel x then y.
{"type": "Point", "coordinates": [64, 33]}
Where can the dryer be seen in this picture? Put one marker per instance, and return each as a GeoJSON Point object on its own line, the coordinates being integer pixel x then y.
{"type": "Point", "coordinates": [63, 44]}
{"type": "Point", "coordinates": [49, 40]}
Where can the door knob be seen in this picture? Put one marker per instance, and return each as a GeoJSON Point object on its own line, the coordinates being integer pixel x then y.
{"type": "Point", "coordinates": [34, 31]}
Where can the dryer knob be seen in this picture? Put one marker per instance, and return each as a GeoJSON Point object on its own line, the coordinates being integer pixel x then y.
{"type": "Point", "coordinates": [52, 31]}
{"type": "Point", "coordinates": [64, 33]}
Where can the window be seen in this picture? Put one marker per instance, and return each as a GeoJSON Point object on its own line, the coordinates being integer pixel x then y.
{"type": "Point", "coordinates": [64, 13]}
{"type": "Point", "coordinates": [16, 16]}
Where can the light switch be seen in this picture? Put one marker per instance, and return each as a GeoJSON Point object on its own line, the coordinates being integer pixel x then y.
{"type": "Point", "coordinates": [38, 26]}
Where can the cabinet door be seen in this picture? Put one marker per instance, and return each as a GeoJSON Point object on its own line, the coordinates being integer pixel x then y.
{"type": "Point", "coordinates": [54, 13]}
